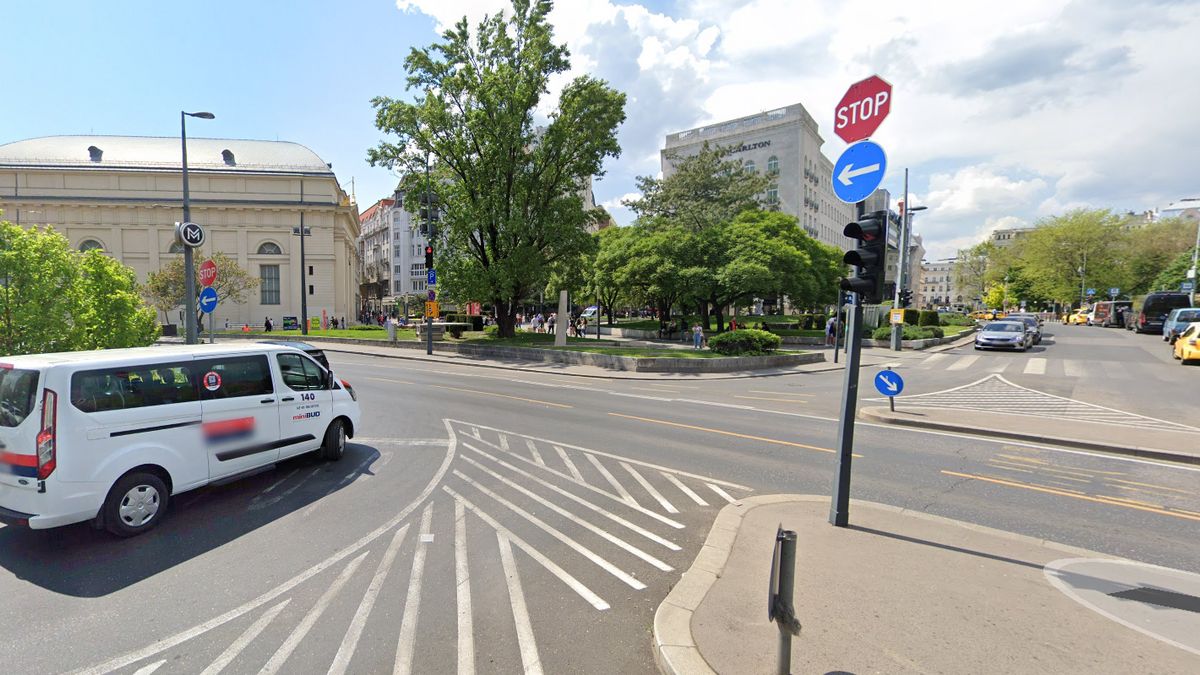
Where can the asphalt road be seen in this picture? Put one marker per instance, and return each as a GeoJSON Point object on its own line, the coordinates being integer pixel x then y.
{"type": "Point", "coordinates": [515, 521]}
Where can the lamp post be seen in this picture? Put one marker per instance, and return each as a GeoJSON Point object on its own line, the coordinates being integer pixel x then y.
{"type": "Point", "coordinates": [303, 232]}
{"type": "Point", "coordinates": [1082, 272]}
{"type": "Point", "coordinates": [189, 274]}
{"type": "Point", "coordinates": [902, 279]}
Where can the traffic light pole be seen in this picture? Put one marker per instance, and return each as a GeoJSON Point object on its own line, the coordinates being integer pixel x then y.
{"type": "Point", "coordinates": [839, 508]}
{"type": "Point", "coordinates": [901, 269]}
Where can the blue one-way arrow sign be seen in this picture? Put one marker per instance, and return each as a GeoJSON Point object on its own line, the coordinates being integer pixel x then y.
{"type": "Point", "coordinates": [859, 171]}
{"type": "Point", "coordinates": [889, 383]}
{"type": "Point", "coordinates": [208, 299]}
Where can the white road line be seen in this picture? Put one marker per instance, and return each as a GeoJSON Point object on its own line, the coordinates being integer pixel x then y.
{"type": "Point", "coordinates": [462, 580]}
{"type": "Point", "coordinates": [662, 501]}
{"type": "Point", "coordinates": [346, 480]}
{"type": "Point", "coordinates": [637, 507]}
{"type": "Point", "coordinates": [570, 465]}
{"type": "Point", "coordinates": [683, 488]}
{"type": "Point", "coordinates": [963, 362]}
{"type": "Point", "coordinates": [607, 536]}
{"type": "Point", "coordinates": [289, 645]}
{"type": "Point", "coordinates": [255, 506]}
{"type": "Point", "coordinates": [516, 597]}
{"type": "Point", "coordinates": [146, 670]}
{"type": "Point", "coordinates": [434, 442]}
{"type": "Point", "coordinates": [244, 639]}
{"type": "Point", "coordinates": [350, 642]}
{"type": "Point", "coordinates": [475, 432]}
{"type": "Point", "coordinates": [581, 501]}
{"type": "Point", "coordinates": [1073, 368]}
{"type": "Point", "coordinates": [934, 358]}
{"type": "Point", "coordinates": [611, 479]}
{"type": "Point", "coordinates": [552, 567]}
{"type": "Point", "coordinates": [641, 396]}
{"type": "Point", "coordinates": [504, 442]}
{"type": "Point", "coordinates": [412, 603]}
{"type": "Point", "coordinates": [723, 494]}
{"type": "Point", "coordinates": [537, 456]}
{"type": "Point", "coordinates": [280, 481]}
{"type": "Point", "coordinates": [548, 529]}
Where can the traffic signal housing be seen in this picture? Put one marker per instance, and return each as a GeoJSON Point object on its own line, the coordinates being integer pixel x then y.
{"type": "Point", "coordinates": [869, 256]}
{"type": "Point", "coordinates": [905, 298]}
{"type": "Point", "coordinates": [428, 257]}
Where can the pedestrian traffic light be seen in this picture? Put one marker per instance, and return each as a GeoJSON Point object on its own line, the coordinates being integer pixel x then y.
{"type": "Point", "coordinates": [869, 256]}
{"type": "Point", "coordinates": [905, 298]}
{"type": "Point", "coordinates": [428, 257]}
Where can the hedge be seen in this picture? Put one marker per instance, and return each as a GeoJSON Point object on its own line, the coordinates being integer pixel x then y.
{"type": "Point", "coordinates": [475, 321]}
{"type": "Point", "coordinates": [910, 332]}
{"type": "Point", "coordinates": [956, 319]}
{"type": "Point", "coordinates": [744, 343]}
{"type": "Point", "coordinates": [929, 317]}
{"type": "Point", "coordinates": [912, 316]}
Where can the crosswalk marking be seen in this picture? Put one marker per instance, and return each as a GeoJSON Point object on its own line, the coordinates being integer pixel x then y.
{"type": "Point", "coordinates": [341, 661]}
{"type": "Point", "coordinates": [581, 501]}
{"type": "Point", "coordinates": [1074, 368]}
{"type": "Point", "coordinates": [603, 534]}
{"type": "Point", "coordinates": [412, 602]}
{"type": "Point", "coordinates": [553, 532]}
{"type": "Point", "coordinates": [551, 566]}
{"type": "Point", "coordinates": [504, 442]}
{"type": "Point", "coordinates": [721, 493]}
{"type": "Point", "coordinates": [462, 580]}
{"type": "Point", "coordinates": [662, 501]}
{"type": "Point", "coordinates": [610, 478]}
{"type": "Point", "coordinates": [537, 456]}
{"type": "Point", "coordinates": [1035, 367]}
{"type": "Point", "coordinates": [963, 363]}
{"type": "Point", "coordinates": [934, 358]}
{"type": "Point", "coordinates": [683, 488]}
{"type": "Point", "coordinates": [516, 597]}
{"type": "Point", "coordinates": [570, 465]}
{"type": "Point", "coordinates": [148, 669]}
{"type": "Point", "coordinates": [244, 639]}
{"type": "Point", "coordinates": [289, 645]}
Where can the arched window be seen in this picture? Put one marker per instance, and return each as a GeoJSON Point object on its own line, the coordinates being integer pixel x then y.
{"type": "Point", "coordinates": [176, 247]}
{"type": "Point", "coordinates": [773, 194]}
{"type": "Point", "coordinates": [89, 244]}
{"type": "Point", "coordinates": [749, 166]}
{"type": "Point", "coordinates": [773, 163]}
{"type": "Point", "coordinates": [269, 248]}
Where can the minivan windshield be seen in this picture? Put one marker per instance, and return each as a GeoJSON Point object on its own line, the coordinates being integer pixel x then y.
{"type": "Point", "coordinates": [18, 391]}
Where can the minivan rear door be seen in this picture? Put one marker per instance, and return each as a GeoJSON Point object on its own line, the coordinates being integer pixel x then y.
{"type": "Point", "coordinates": [18, 429]}
{"type": "Point", "coordinates": [241, 413]}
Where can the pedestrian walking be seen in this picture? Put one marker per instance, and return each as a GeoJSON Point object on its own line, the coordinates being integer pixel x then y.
{"type": "Point", "coordinates": [697, 336]}
{"type": "Point", "coordinates": [831, 330]}
{"type": "Point", "coordinates": [267, 325]}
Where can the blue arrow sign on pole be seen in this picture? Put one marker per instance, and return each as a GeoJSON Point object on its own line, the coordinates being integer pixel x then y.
{"type": "Point", "coordinates": [1091, 291]}
{"type": "Point", "coordinates": [432, 278]}
{"type": "Point", "coordinates": [889, 383]}
{"type": "Point", "coordinates": [859, 171]}
{"type": "Point", "coordinates": [208, 299]}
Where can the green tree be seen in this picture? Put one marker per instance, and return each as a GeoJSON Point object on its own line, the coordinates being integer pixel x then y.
{"type": "Point", "coordinates": [54, 298]}
{"type": "Point", "coordinates": [1173, 274]}
{"type": "Point", "coordinates": [1154, 246]}
{"type": "Point", "coordinates": [509, 189]}
{"type": "Point", "coordinates": [165, 288]}
{"type": "Point", "coordinates": [971, 269]}
{"type": "Point", "coordinates": [613, 248]}
{"type": "Point", "coordinates": [1093, 240]}
{"type": "Point", "coordinates": [652, 273]}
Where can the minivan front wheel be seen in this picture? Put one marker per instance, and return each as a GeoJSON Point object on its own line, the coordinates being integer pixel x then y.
{"type": "Point", "coordinates": [335, 441]}
{"type": "Point", "coordinates": [135, 504]}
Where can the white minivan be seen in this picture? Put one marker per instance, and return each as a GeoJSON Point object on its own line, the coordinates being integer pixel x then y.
{"type": "Point", "coordinates": [110, 436]}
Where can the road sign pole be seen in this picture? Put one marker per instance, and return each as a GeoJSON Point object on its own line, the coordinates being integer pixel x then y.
{"type": "Point", "coordinates": [839, 512]}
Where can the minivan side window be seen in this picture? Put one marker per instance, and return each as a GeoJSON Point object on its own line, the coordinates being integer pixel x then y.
{"type": "Point", "coordinates": [234, 376]}
{"type": "Point", "coordinates": [300, 373]}
{"type": "Point", "coordinates": [126, 387]}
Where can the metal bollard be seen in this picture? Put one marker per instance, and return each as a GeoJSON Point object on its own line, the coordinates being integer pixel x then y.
{"type": "Point", "coordinates": [781, 610]}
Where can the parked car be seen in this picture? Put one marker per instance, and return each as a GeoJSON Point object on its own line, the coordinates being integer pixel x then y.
{"type": "Point", "coordinates": [1031, 325]}
{"type": "Point", "coordinates": [304, 347]}
{"type": "Point", "coordinates": [112, 436]}
{"type": "Point", "coordinates": [1004, 335]}
{"type": "Point", "coordinates": [1155, 308]}
{"type": "Point", "coordinates": [1108, 313]}
{"type": "Point", "coordinates": [1177, 321]}
{"type": "Point", "coordinates": [1187, 347]}
{"type": "Point", "coordinates": [1078, 317]}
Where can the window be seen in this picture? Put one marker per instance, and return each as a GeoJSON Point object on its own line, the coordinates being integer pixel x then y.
{"type": "Point", "coordinates": [239, 376]}
{"type": "Point", "coordinates": [773, 164]}
{"type": "Point", "coordinates": [396, 270]}
{"type": "Point", "coordinates": [418, 269]}
{"type": "Point", "coordinates": [89, 244]}
{"type": "Point", "coordinates": [268, 277]}
{"type": "Point", "coordinates": [133, 387]}
{"type": "Point", "coordinates": [749, 166]}
{"type": "Point", "coordinates": [18, 391]}
{"type": "Point", "coordinates": [300, 373]}
{"type": "Point", "coordinates": [311, 289]}
{"type": "Point", "coordinates": [310, 270]}
{"type": "Point", "coordinates": [398, 286]}
{"type": "Point", "coordinates": [396, 252]}
{"type": "Point", "coordinates": [773, 193]}
{"type": "Point", "coordinates": [418, 285]}
{"type": "Point", "coordinates": [176, 247]}
{"type": "Point", "coordinates": [269, 248]}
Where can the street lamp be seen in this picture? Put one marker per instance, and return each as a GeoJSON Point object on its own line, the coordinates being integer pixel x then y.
{"type": "Point", "coordinates": [189, 274]}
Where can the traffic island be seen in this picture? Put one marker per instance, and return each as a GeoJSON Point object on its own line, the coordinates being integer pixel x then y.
{"type": "Point", "coordinates": [901, 591]}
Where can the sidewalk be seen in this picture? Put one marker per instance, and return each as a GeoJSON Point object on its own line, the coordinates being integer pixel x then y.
{"type": "Point", "coordinates": [1176, 446]}
{"type": "Point", "coordinates": [906, 592]}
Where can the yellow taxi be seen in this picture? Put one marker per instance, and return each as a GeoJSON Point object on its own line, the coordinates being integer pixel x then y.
{"type": "Point", "coordinates": [1187, 347]}
{"type": "Point", "coordinates": [1079, 317]}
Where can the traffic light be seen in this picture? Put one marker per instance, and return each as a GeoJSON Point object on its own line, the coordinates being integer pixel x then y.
{"type": "Point", "coordinates": [428, 257]}
{"type": "Point", "coordinates": [869, 256]}
{"type": "Point", "coordinates": [905, 298]}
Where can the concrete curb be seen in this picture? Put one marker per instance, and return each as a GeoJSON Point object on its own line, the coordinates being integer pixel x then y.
{"type": "Point", "coordinates": [878, 415]}
{"type": "Point", "coordinates": [675, 650]}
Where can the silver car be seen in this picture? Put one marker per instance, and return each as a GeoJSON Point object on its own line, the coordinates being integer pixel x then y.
{"type": "Point", "coordinates": [1004, 335]}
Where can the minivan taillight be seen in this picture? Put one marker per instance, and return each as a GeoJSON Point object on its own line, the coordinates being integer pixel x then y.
{"type": "Point", "coordinates": [47, 455]}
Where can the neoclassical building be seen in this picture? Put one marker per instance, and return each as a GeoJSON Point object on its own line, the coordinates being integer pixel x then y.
{"type": "Point", "coordinates": [124, 194]}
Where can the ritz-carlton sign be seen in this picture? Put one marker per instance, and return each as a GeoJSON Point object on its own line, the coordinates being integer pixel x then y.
{"type": "Point", "coordinates": [744, 147]}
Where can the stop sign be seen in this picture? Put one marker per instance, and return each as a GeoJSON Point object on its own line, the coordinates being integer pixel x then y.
{"type": "Point", "coordinates": [208, 273]}
{"type": "Point", "coordinates": [862, 109]}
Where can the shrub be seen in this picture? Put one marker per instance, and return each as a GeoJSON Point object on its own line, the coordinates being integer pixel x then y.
{"type": "Point", "coordinates": [929, 317]}
{"type": "Point", "coordinates": [912, 317]}
{"type": "Point", "coordinates": [956, 319]}
{"type": "Point", "coordinates": [744, 343]}
{"type": "Point", "coordinates": [492, 331]}
{"type": "Point", "coordinates": [363, 326]}
{"type": "Point", "coordinates": [455, 332]}
{"type": "Point", "coordinates": [909, 332]}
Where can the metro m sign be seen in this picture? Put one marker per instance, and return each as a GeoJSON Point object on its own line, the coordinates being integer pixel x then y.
{"type": "Point", "coordinates": [862, 109]}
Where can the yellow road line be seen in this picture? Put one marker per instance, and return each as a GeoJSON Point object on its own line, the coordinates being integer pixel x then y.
{"type": "Point", "coordinates": [1064, 493]}
{"type": "Point", "coordinates": [1009, 467]}
{"type": "Point", "coordinates": [1068, 489]}
{"type": "Point", "coordinates": [776, 393]}
{"type": "Point", "coordinates": [515, 398]}
{"type": "Point", "coordinates": [1149, 485]}
{"type": "Point", "coordinates": [389, 381]}
{"type": "Point", "coordinates": [724, 433]}
{"type": "Point", "coordinates": [1132, 501]}
{"type": "Point", "coordinates": [1068, 473]}
{"type": "Point", "coordinates": [1194, 513]}
{"type": "Point", "coordinates": [764, 398]}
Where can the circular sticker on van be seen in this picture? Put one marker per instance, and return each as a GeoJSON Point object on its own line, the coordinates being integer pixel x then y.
{"type": "Point", "coordinates": [212, 381]}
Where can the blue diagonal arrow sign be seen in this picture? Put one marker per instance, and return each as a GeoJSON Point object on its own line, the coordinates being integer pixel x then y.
{"type": "Point", "coordinates": [859, 171]}
{"type": "Point", "coordinates": [889, 383]}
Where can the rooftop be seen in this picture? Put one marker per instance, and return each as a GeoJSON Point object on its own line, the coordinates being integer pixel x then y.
{"type": "Point", "coordinates": [162, 153]}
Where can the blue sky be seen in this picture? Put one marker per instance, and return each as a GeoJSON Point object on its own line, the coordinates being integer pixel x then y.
{"type": "Point", "coordinates": [1003, 117]}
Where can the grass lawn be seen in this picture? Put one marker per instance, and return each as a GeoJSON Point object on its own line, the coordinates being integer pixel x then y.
{"type": "Point", "coordinates": [951, 331]}
{"type": "Point", "coordinates": [372, 334]}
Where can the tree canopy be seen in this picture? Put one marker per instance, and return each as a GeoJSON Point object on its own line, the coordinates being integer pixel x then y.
{"type": "Point", "coordinates": [166, 290]}
{"type": "Point", "coordinates": [509, 188]}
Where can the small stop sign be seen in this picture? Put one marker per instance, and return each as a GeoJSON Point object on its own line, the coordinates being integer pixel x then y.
{"type": "Point", "coordinates": [862, 109]}
{"type": "Point", "coordinates": [208, 273]}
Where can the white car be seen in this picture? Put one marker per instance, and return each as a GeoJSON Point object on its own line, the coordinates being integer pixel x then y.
{"type": "Point", "coordinates": [110, 436]}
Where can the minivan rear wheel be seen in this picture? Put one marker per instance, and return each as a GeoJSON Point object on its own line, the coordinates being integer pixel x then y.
{"type": "Point", "coordinates": [335, 441]}
{"type": "Point", "coordinates": [135, 504]}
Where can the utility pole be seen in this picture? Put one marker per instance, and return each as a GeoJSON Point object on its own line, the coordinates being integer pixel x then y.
{"type": "Point", "coordinates": [429, 232]}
